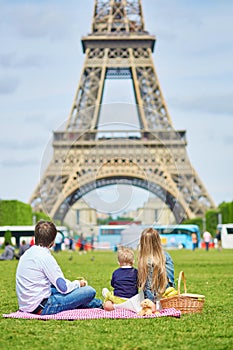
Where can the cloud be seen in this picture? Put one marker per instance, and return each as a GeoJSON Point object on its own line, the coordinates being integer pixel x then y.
{"type": "Point", "coordinates": [215, 104]}
{"type": "Point", "coordinates": [36, 119]}
{"type": "Point", "coordinates": [18, 143]}
{"type": "Point", "coordinates": [7, 60]}
{"type": "Point", "coordinates": [11, 60]}
{"type": "Point", "coordinates": [228, 140]}
{"type": "Point", "coordinates": [35, 20]}
{"type": "Point", "coordinates": [15, 163]}
{"type": "Point", "coordinates": [8, 84]}
{"type": "Point", "coordinates": [17, 138]}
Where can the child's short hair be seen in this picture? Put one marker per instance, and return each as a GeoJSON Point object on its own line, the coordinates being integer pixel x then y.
{"type": "Point", "coordinates": [45, 233]}
{"type": "Point", "coordinates": [125, 256]}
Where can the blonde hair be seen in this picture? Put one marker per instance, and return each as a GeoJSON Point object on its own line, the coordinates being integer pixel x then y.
{"type": "Point", "coordinates": [125, 256]}
{"type": "Point", "coordinates": [151, 254]}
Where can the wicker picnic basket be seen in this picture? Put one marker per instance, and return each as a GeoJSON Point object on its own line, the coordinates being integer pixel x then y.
{"type": "Point", "coordinates": [185, 302]}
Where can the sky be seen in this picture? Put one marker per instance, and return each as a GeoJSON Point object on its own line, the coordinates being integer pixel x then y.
{"type": "Point", "coordinates": [41, 60]}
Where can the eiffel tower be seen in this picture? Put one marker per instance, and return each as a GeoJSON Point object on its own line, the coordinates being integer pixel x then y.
{"type": "Point", "coordinates": [86, 157]}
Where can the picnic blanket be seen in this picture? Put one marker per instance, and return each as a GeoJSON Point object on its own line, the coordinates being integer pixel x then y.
{"type": "Point", "coordinates": [91, 314]}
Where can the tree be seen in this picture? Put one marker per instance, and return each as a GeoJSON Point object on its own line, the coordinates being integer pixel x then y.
{"type": "Point", "coordinates": [226, 209]}
{"type": "Point", "coordinates": [195, 221]}
{"type": "Point", "coordinates": [211, 220]}
{"type": "Point", "coordinates": [7, 238]}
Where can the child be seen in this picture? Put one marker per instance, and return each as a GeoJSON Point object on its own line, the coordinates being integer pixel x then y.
{"type": "Point", "coordinates": [155, 267]}
{"type": "Point", "coordinates": [124, 280]}
{"type": "Point", "coordinates": [40, 284]}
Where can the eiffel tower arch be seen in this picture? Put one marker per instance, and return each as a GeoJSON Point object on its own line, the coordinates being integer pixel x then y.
{"type": "Point", "coordinates": [151, 156]}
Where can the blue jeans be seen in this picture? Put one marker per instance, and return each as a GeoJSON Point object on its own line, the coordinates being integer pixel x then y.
{"type": "Point", "coordinates": [79, 298]}
{"type": "Point", "coordinates": [148, 292]}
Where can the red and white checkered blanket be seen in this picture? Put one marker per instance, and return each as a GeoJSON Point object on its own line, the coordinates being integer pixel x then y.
{"type": "Point", "coordinates": [91, 314]}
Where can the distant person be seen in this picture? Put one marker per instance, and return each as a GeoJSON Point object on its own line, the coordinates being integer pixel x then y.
{"type": "Point", "coordinates": [207, 239]}
{"type": "Point", "coordinates": [58, 241]}
{"type": "Point", "coordinates": [23, 247]}
{"type": "Point", "coordinates": [82, 243]}
{"type": "Point", "coordinates": [78, 244]}
{"type": "Point", "coordinates": [194, 240]}
{"type": "Point", "coordinates": [219, 240]}
{"type": "Point", "coordinates": [8, 253]}
{"type": "Point", "coordinates": [124, 280]}
{"type": "Point", "coordinates": [67, 243]}
{"type": "Point", "coordinates": [92, 242]}
{"type": "Point", "coordinates": [155, 266]}
{"type": "Point", "coordinates": [71, 243]}
{"type": "Point", "coordinates": [40, 284]}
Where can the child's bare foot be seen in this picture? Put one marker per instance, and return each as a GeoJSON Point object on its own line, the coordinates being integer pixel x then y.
{"type": "Point", "coordinates": [108, 306]}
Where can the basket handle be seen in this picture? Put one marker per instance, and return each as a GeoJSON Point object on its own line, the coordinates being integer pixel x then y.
{"type": "Point", "coordinates": [182, 277]}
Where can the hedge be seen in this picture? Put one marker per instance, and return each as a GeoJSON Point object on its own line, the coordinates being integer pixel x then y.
{"type": "Point", "coordinates": [13, 212]}
{"type": "Point", "coordinates": [16, 213]}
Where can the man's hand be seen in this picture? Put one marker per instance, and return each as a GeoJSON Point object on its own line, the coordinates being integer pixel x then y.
{"type": "Point", "coordinates": [83, 283]}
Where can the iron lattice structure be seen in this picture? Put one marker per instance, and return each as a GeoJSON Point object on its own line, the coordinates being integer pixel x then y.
{"type": "Point", "coordinates": [156, 159]}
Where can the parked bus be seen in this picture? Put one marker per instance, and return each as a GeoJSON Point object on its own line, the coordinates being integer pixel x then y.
{"type": "Point", "coordinates": [172, 236]}
{"type": "Point", "coordinates": [178, 236]}
{"type": "Point", "coordinates": [24, 232]}
{"type": "Point", "coordinates": [109, 236]}
{"type": "Point", "coordinates": [226, 235]}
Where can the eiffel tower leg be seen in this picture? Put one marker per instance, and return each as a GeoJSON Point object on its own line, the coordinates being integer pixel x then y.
{"type": "Point", "coordinates": [86, 106]}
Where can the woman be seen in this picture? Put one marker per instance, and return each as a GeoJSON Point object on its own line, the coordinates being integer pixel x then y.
{"type": "Point", "coordinates": [155, 266]}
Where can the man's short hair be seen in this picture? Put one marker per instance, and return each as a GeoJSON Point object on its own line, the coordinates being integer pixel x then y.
{"type": "Point", "coordinates": [125, 256]}
{"type": "Point", "coordinates": [45, 233]}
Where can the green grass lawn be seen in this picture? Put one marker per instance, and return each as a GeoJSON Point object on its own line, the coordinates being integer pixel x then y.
{"type": "Point", "coordinates": [209, 273]}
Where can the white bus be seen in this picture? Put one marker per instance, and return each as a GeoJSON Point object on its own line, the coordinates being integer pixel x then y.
{"type": "Point", "coordinates": [24, 232]}
{"type": "Point", "coordinates": [227, 235]}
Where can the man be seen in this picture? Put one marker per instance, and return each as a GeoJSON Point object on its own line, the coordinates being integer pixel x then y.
{"type": "Point", "coordinates": [8, 253]}
{"type": "Point", "coordinates": [207, 238]}
{"type": "Point", "coordinates": [40, 284]}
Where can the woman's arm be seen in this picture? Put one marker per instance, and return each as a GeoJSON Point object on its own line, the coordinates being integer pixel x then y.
{"type": "Point", "coordinates": [170, 270]}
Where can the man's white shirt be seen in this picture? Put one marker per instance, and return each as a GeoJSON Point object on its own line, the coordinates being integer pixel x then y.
{"type": "Point", "coordinates": [37, 270]}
